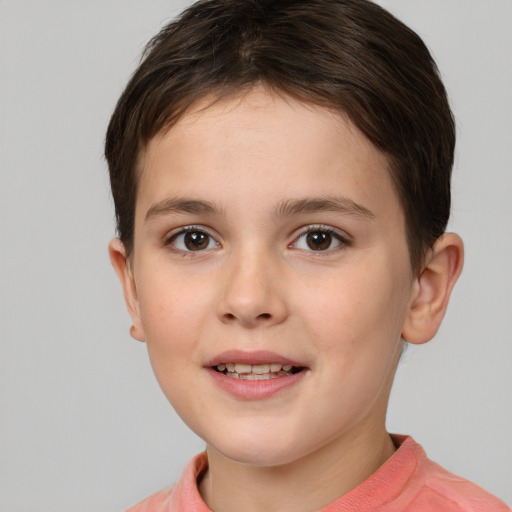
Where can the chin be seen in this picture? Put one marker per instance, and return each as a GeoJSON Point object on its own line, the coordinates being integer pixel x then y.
{"type": "Point", "coordinates": [264, 458]}
{"type": "Point", "coordinates": [263, 451]}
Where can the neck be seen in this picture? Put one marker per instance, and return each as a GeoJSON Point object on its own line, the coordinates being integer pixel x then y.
{"type": "Point", "coordinates": [304, 485]}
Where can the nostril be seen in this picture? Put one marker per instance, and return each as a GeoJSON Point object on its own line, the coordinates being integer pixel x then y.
{"type": "Point", "coordinates": [262, 317]}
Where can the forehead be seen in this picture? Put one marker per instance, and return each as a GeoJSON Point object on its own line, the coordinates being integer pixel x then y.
{"type": "Point", "coordinates": [256, 142]}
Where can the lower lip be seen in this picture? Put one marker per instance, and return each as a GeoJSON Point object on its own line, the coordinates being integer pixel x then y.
{"type": "Point", "coordinates": [254, 389]}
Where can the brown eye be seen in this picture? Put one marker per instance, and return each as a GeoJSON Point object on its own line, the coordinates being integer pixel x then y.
{"type": "Point", "coordinates": [195, 241]}
{"type": "Point", "coordinates": [319, 240]}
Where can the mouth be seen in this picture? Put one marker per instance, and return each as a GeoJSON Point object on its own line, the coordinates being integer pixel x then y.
{"type": "Point", "coordinates": [255, 375]}
{"type": "Point", "coordinates": [263, 371]}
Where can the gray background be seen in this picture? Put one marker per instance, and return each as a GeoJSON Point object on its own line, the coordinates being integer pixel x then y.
{"type": "Point", "coordinates": [83, 425]}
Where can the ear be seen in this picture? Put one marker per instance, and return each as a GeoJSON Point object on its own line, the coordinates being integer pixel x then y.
{"type": "Point", "coordinates": [432, 289]}
{"type": "Point", "coordinates": [124, 272]}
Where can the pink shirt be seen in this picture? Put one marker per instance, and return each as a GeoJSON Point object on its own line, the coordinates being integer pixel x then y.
{"type": "Point", "coordinates": [407, 482]}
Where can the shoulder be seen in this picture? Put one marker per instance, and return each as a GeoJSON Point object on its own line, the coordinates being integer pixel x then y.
{"type": "Point", "coordinates": [155, 503]}
{"type": "Point", "coordinates": [184, 495]}
{"type": "Point", "coordinates": [460, 493]}
{"type": "Point", "coordinates": [439, 489]}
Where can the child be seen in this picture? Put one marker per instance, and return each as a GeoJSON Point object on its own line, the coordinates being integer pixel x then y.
{"type": "Point", "coordinates": [281, 177]}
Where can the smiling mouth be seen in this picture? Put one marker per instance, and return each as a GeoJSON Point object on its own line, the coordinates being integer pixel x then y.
{"type": "Point", "coordinates": [257, 371]}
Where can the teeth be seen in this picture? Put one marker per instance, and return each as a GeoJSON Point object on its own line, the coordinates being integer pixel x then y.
{"type": "Point", "coordinates": [242, 368]}
{"type": "Point", "coordinates": [255, 371]}
{"type": "Point", "coordinates": [260, 369]}
{"type": "Point", "coordinates": [254, 376]}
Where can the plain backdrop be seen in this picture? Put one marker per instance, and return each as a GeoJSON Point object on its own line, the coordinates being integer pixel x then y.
{"type": "Point", "coordinates": [83, 424]}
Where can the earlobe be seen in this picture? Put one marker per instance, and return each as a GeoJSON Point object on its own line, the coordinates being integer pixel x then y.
{"type": "Point", "coordinates": [432, 289]}
{"type": "Point", "coordinates": [122, 267]}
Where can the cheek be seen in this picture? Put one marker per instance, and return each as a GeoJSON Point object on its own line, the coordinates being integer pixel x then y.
{"type": "Point", "coordinates": [357, 334]}
{"type": "Point", "coordinates": [170, 306]}
{"type": "Point", "coordinates": [173, 320]}
{"type": "Point", "coordinates": [358, 316]}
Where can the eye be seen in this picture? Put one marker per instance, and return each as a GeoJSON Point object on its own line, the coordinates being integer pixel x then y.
{"type": "Point", "coordinates": [320, 239]}
{"type": "Point", "coordinates": [192, 239]}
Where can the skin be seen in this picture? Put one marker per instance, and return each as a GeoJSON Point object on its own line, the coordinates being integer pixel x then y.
{"type": "Point", "coordinates": [257, 285]}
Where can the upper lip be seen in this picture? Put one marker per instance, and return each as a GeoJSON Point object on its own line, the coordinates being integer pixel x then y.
{"type": "Point", "coordinates": [245, 357]}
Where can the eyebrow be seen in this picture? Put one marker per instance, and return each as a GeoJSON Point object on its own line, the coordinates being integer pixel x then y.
{"type": "Point", "coordinates": [342, 205]}
{"type": "Point", "coordinates": [181, 205]}
{"type": "Point", "coordinates": [337, 204]}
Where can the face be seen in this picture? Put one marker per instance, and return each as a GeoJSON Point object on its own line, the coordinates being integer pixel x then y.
{"type": "Point", "coordinates": [271, 276]}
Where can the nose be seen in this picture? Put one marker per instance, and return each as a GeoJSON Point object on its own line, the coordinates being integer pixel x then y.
{"type": "Point", "coordinates": [253, 294]}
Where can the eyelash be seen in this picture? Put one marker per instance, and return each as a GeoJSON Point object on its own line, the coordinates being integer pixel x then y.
{"type": "Point", "coordinates": [343, 241]}
{"type": "Point", "coordinates": [171, 239]}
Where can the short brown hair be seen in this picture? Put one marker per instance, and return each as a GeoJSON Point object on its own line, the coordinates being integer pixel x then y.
{"type": "Point", "coordinates": [350, 55]}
